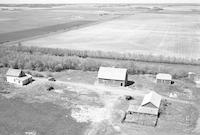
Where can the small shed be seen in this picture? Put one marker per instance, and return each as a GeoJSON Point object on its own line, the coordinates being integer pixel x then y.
{"type": "Point", "coordinates": [164, 78]}
{"type": "Point", "coordinates": [112, 76]}
{"type": "Point", "coordinates": [17, 76]}
{"type": "Point", "coordinates": [191, 76]}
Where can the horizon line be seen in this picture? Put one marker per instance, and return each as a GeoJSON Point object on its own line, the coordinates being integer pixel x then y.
{"type": "Point", "coordinates": [100, 3]}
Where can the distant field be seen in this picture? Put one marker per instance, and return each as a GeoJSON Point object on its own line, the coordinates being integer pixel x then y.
{"type": "Point", "coordinates": [30, 33]}
{"type": "Point", "coordinates": [147, 33]}
{"type": "Point", "coordinates": [17, 23]}
{"type": "Point", "coordinates": [29, 18]}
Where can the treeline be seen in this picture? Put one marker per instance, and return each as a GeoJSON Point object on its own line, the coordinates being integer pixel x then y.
{"type": "Point", "coordinates": [106, 55]}
{"type": "Point", "coordinates": [47, 62]}
{"type": "Point", "coordinates": [42, 59]}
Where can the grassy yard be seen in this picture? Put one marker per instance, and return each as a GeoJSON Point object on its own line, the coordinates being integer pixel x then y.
{"type": "Point", "coordinates": [18, 117]}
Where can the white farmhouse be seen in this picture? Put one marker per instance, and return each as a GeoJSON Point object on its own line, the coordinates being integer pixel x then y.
{"type": "Point", "coordinates": [17, 76]}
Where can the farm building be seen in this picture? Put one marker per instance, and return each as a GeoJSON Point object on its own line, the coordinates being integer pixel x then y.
{"type": "Point", "coordinates": [164, 78]}
{"type": "Point", "coordinates": [112, 76]}
{"type": "Point", "coordinates": [147, 113]}
{"type": "Point", "coordinates": [17, 76]}
{"type": "Point", "coordinates": [191, 76]}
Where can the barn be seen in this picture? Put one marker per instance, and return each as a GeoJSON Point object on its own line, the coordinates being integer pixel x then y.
{"type": "Point", "coordinates": [147, 113]}
{"type": "Point", "coordinates": [164, 78]}
{"type": "Point", "coordinates": [112, 76]}
{"type": "Point", "coordinates": [17, 76]}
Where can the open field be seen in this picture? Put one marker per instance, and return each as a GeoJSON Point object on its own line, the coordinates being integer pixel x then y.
{"type": "Point", "coordinates": [20, 118]}
{"type": "Point", "coordinates": [30, 18]}
{"type": "Point", "coordinates": [145, 33]}
{"type": "Point", "coordinates": [30, 33]}
{"type": "Point", "coordinates": [25, 22]}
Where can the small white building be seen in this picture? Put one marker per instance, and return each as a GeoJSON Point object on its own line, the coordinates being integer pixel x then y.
{"type": "Point", "coordinates": [112, 76]}
{"type": "Point", "coordinates": [164, 78]}
{"type": "Point", "coordinates": [17, 76]}
{"type": "Point", "coordinates": [191, 76]}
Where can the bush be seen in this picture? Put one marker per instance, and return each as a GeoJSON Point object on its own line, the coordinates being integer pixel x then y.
{"type": "Point", "coordinates": [37, 75]}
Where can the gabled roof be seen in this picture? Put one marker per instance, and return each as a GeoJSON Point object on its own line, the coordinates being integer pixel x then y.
{"type": "Point", "coordinates": [163, 76]}
{"type": "Point", "coordinates": [112, 73]}
{"type": "Point", "coordinates": [14, 72]}
{"type": "Point", "coordinates": [152, 98]}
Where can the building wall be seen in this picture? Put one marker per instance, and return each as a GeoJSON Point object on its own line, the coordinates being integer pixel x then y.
{"type": "Point", "coordinates": [111, 82]}
{"type": "Point", "coordinates": [14, 80]}
{"type": "Point", "coordinates": [141, 119]}
{"type": "Point", "coordinates": [163, 81]}
{"type": "Point", "coordinates": [24, 82]}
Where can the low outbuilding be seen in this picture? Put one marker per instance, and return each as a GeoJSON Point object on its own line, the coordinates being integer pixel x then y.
{"type": "Point", "coordinates": [17, 76]}
{"type": "Point", "coordinates": [191, 76]}
{"type": "Point", "coordinates": [112, 76]}
{"type": "Point", "coordinates": [147, 113]}
{"type": "Point", "coordinates": [164, 78]}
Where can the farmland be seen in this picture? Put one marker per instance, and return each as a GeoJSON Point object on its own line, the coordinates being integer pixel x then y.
{"type": "Point", "coordinates": [24, 22]}
{"type": "Point", "coordinates": [52, 42]}
{"type": "Point", "coordinates": [164, 33]}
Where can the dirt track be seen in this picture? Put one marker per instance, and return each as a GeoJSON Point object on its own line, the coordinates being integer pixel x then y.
{"type": "Point", "coordinates": [118, 91]}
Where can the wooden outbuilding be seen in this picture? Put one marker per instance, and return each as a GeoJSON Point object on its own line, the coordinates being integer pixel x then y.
{"type": "Point", "coordinates": [112, 76]}
{"type": "Point", "coordinates": [147, 113]}
{"type": "Point", "coordinates": [17, 76]}
{"type": "Point", "coordinates": [164, 78]}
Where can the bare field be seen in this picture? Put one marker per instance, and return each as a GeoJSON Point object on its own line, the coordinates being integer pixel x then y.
{"type": "Point", "coordinates": [19, 23]}
{"type": "Point", "coordinates": [147, 33]}
{"type": "Point", "coordinates": [36, 18]}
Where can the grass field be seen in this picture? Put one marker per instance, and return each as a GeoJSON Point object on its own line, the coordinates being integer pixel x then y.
{"type": "Point", "coordinates": [165, 34]}
{"type": "Point", "coordinates": [20, 118]}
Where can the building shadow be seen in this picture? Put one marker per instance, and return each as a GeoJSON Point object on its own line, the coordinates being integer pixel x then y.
{"type": "Point", "coordinates": [129, 83]}
{"type": "Point", "coordinates": [30, 82]}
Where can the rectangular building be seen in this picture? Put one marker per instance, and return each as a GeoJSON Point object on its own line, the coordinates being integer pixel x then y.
{"type": "Point", "coordinates": [17, 76]}
{"type": "Point", "coordinates": [164, 78]}
{"type": "Point", "coordinates": [112, 76]}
